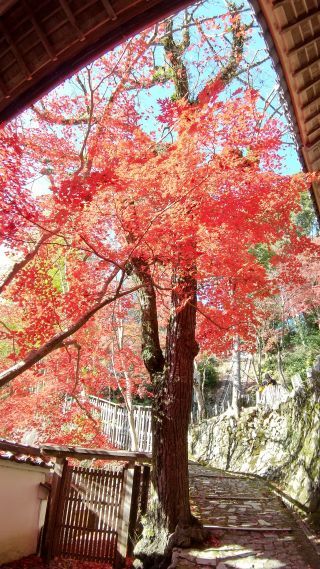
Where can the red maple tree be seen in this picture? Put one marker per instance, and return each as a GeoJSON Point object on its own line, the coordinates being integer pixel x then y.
{"type": "Point", "coordinates": [169, 221]}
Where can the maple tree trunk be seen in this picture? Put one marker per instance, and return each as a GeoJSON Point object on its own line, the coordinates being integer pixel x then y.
{"type": "Point", "coordinates": [169, 522]}
{"type": "Point", "coordinates": [172, 407]}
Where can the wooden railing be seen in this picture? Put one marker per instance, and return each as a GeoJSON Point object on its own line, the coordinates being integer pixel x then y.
{"type": "Point", "coordinates": [115, 424]}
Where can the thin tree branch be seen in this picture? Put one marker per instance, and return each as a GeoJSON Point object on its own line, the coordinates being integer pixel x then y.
{"type": "Point", "coordinates": [57, 340]}
{"type": "Point", "coordinates": [21, 264]}
{"type": "Point", "coordinates": [225, 328]}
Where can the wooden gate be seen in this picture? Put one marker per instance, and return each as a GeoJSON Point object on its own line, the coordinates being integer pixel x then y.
{"type": "Point", "coordinates": [92, 513]}
{"type": "Point", "coordinates": [87, 514]}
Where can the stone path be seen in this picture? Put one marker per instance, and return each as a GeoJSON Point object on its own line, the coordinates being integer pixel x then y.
{"type": "Point", "coordinates": [272, 540]}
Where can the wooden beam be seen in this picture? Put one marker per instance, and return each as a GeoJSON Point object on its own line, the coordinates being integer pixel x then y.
{"type": "Point", "coordinates": [311, 117]}
{"type": "Point", "coordinates": [309, 103]}
{"type": "Point", "coordinates": [314, 129]}
{"type": "Point", "coordinates": [82, 453]}
{"type": "Point", "coordinates": [110, 11]}
{"type": "Point", "coordinates": [4, 89]}
{"type": "Point", "coordinates": [303, 44]}
{"type": "Point", "coordinates": [300, 20]}
{"type": "Point", "coordinates": [312, 144]}
{"type": "Point", "coordinates": [124, 516]}
{"type": "Point", "coordinates": [43, 38]}
{"type": "Point", "coordinates": [134, 507]}
{"type": "Point", "coordinates": [65, 7]}
{"type": "Point", "coordinates": [16, 448]}
{"type": "Point", "coordinates": [59, 472]}
{"type": "Point", "coordinates": [75, 452]}
{"type": "Point", "coordinates": [277, 3]}
{"type": "Point", "coordinates": [145, 489]}
{"type": "Point", "coordinates": [102, 37]}
{"type": "Point", "coordinates": [5, 4]}
{"type": "Point", "coordinates": [305, 67]}
{"type": "Point", "coordinates": [22, 64]}
{"type": "Point", "coordinates": [308, 85]}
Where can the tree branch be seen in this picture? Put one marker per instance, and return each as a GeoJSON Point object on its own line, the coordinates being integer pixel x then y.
{"type": "Point", "coordinates": [150, 342]}
{"type": "Point", "coordinates": [21, 264]}
{"type": "Point", "coordinates": [57, 341]}
{"type": "Point", "coordinates": [71, 121]}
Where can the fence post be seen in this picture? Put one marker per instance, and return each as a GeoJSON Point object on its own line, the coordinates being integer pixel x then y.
{"type": "Point", "coordinates": [124, 516]}
{"type": "Point", "coordinates": [133, 515]}
{"type": "Point", "coordinates": [53, 506]}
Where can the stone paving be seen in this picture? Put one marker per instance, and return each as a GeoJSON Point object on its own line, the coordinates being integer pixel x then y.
{"type": "Point", "coordinates": [271, 538]}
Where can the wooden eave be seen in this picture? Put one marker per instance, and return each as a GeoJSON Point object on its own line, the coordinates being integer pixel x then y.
{"type": "Point", "coordinates": [292, 29]}
{"type": "Point", "coordinates": [43, 43]}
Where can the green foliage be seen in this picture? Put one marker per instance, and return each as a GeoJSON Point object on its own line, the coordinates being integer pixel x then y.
{"type": "Point", "coordinates": [301, 345]}
{"type": "Point", "coordinates": [55, 278]}
{"type": "Point", "coordinates": [269, 365]}
{"type": "Point", "coordinates": [306, 219]}
{"type": "Point", "coordinates": [5, 348]}
{"type": "Point", "coordinates": [263, 253]}
{"type": "Point", "coordinates": [297, 361]}
{"type": "Point", "coordinates": [209, 371]}
{"type": "Point", "coordinates": [162, 74]}
{"type": "Point", "coordinates": [301, 355]}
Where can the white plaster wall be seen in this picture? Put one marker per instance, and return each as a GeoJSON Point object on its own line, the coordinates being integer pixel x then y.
{"type": "Point", "coordinates": [20, 506]}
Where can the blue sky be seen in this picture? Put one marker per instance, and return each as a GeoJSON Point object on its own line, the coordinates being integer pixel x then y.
{"type": "Point", "coordinates": [263, 78]}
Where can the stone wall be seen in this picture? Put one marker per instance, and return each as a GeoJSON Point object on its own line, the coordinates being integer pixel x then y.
{"type": "Point", "coordinates": [281, 444]}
